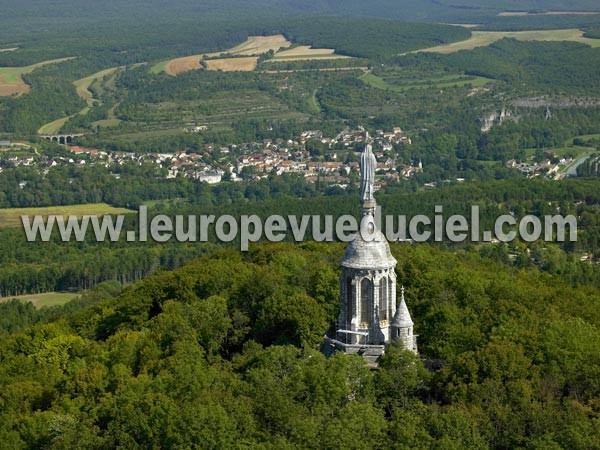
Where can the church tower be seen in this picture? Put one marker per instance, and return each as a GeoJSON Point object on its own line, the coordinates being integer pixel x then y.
{"type": "Point", "coordinates": [370, 316]}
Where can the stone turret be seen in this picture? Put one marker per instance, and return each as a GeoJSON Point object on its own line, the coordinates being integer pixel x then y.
{"type": "Point", "coordinates": [402, 326]}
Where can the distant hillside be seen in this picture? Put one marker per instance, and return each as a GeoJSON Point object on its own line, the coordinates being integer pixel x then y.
{"type": "Point", "coordinates": [399, 9]}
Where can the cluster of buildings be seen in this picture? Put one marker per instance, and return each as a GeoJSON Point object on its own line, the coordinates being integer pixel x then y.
{"type": "Point", "coordinates": [550, 166]}
{"type": "Point", "coordinates": [256, 160]}
{"type": "Point", "coordinates": [292, 156]}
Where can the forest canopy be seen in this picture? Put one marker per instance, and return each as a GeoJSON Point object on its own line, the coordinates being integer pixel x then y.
{"type": "Point", "coordinates": [225, 350]}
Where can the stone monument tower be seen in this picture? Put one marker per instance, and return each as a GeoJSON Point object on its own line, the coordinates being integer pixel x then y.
{"type": "Point", "coordinates": [370, 316]}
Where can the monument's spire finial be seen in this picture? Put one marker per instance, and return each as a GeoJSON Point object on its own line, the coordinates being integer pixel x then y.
{"type": "Point", "coordinates": [368, 164]}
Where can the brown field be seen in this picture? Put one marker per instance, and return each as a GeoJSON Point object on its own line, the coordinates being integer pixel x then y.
{"type": "Point", "coordinates": [11, 49]}
{"type": "Point", "coordinates": [257, 45]}
{"type": "Point", "coordinates": [548, 13]}
{"type": "Point", "coordinates": [185, 64]}
{"type": "Point", "coordinates": [254, 46]}
{"type": "Point", "coordinates": [246, 64]}
{"type": "Point", "coordinates": [483, 38]}
{"type": "Point", "coordinates": [251, 49]}
{"type": "Point", "coordinates": [7, 89]}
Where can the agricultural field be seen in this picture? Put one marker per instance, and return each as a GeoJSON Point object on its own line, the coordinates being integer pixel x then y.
{"type": "Point", "coordinates": [245, 64]}
{"type": "Point", "coordinates": [179, 65]}
{"type": "Point", "coordinates": [304, 52]}
{"type": "Point", "coordinates": [46, 299]}
{"type": "Point", "coordinates": [484, 38]}
{"type": "Point", "coordinates": [253, 46]}
{"type": "Point", "coordinates": [11, 217]}
{"type": "Point", "coordinates": [55, 126]}
{"type": "Point", "coordinates": [83, 85]}
{"type": "Point", "coordinates": [251, 49]}
{"type": "Point", "coordinates": [11, 80]}
{"type": "Point", "coordinates": [439, 82]}
{"type": "Point", "coordinates": [257, 45]}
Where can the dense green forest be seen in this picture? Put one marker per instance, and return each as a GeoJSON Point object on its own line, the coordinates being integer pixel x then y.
{"type": "Point", "coordinates": [224, 353]}
{"type": "Point", "coordinates": [591, 167]}
{"type": "Point", "coordinates": [562, 67]}
{"type": "Point", "coordinates": [373, 38]}
{"type": "Point", "coordinates": [58, 265]}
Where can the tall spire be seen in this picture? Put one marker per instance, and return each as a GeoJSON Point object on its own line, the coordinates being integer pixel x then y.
{"type": "Point", "coordinates": [402, 317]}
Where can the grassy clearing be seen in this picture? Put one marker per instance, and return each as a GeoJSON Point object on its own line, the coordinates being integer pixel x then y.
{"type": "Point", "coordinates": [11, 217]}
{"type": "Point", "coordinates": [305, 52]}
{"type": "Point", "coordinates": [11, 80]}
{"type": "Point", "coordinates": [47, 299]}
{"type": "Point", "coordinates": [441, 82]}
{"type": "Point", "coordinates": [484, 38]}
{"type": "Point", "coordinates": [567, 150]}
{"type": "Point", "coordinates": [159, 67]}
{"type": "Point", "coordinates": [82, 86]}
{"type": "Point", "coordinates": [107, 123]}
{"type": "Point", "coordinates": [55, 126]}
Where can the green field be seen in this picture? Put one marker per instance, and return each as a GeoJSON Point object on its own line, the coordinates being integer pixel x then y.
{"type": "Point", "coordinates": [11, 217]}
{"type": "Point", "coordinates": [11, 81]}
{"type": "Point", "coordinates": [440, 82]}
{"type": "Point", "coordinates": [568, 148]}
{"type": "Point", "coordinates": [82, 85]}
{"type": "Point", "coordinates": [159, 67]}
{"type": "Point", "coordinates": [47, 299]}
{"type": "Point", "coordinates": [55, 126]}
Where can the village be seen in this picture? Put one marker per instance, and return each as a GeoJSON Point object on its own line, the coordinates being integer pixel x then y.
{"type": "Point", "coordinates": [246, 162]}
{"type": "Point", "coordinates": [329, 160]}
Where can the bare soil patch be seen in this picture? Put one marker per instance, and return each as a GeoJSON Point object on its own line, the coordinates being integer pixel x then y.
{"type": "Point", "coordinates": [181, 65]}
{"type": "Point", "coordinates": [246, 64]}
